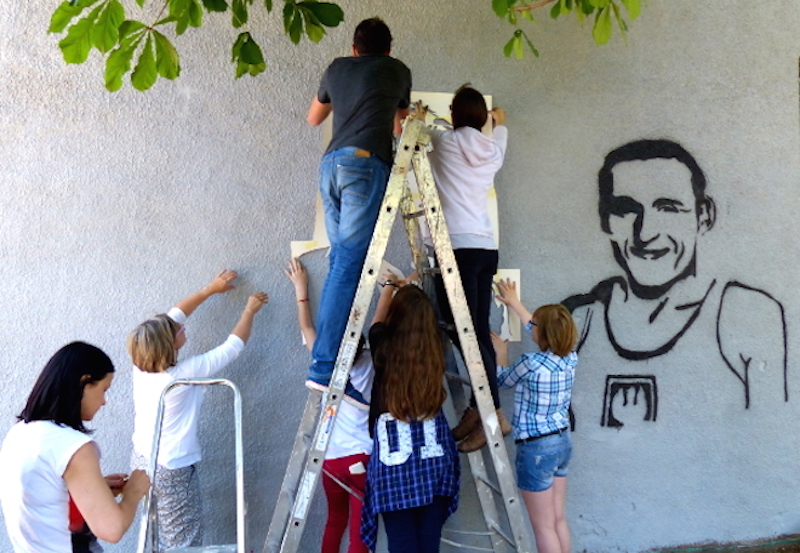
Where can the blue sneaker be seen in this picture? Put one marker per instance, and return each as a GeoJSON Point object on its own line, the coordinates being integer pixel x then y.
{"type": "Point", "coordinates": [354, 397]}
{"type": "Point", "coordinates": [351, 395]}
{"type": "Point", "coordinates": [315, 384]}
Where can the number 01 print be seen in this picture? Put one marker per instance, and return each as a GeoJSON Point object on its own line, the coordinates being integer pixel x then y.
{"type": "Point", "coordinates": [405, 447]}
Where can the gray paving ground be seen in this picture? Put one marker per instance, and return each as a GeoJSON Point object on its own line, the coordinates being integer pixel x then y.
{"type": "Point", "coordinates": [784, 544]}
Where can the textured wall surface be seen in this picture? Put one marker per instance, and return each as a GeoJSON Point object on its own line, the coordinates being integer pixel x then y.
{"type": "Point", "coordinates": [115, 206]}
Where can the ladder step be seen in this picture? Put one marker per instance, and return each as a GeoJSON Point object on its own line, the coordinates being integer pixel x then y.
{"type": "Point", "coordinates": [458, 378]}
{"type": "Point", "coordinates": [414, 214]}
{"type": "Point", "coordinates": [461, 546]}
{"type": "Point", "coordinates": [231, 548]}
{"type": "Point", "coordinates": [499, 531]}
{"type": "Point", "coordinates": [489, 483]}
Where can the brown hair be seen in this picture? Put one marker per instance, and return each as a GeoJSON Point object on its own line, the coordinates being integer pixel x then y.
{"type": "Point", "coordinates": [468, 108]}
{"type": "Point", "coordinates": [151, 345]}
{"type": "Point", "coordinates": [556, 329]}
{"type": "Point", "coordinates": [412, 358]}
{"type": "Point", "coordinates": [372, 37]}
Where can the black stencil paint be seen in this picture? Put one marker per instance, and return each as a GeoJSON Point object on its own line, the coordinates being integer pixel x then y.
{"type": "Point", "coordinates": [654, 215]}
{"type": "Point", "coordinates": [633, 388]}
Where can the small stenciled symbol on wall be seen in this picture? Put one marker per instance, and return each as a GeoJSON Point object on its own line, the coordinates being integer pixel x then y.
{"type": "Point", "coordinates": [629, 397]}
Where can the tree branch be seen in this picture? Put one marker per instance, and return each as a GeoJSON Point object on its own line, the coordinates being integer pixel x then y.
{"type": "Point", "coordinates": [160, 13]}
{"type": "Point", "coordinates": [534, 6]}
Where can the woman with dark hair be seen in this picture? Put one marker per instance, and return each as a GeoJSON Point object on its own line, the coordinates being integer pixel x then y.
{"type": "Point", "coordinates": [48, 457]}
{"type": "Point", "coordinates": [464, 162]}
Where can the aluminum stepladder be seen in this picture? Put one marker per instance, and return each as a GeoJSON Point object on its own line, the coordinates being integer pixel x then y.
{"type": "Point", "coordinates": [148, 536]}
{"type": "Point", "coordinates": [298, 485]}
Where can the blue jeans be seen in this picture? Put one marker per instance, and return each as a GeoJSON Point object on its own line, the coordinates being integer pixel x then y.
{"type": "Point", "coordinates": [416, 530]}
{"type": "Point", "coordinates": [541, 460]}
{"type": "Point", "coordinates": [352, 188]}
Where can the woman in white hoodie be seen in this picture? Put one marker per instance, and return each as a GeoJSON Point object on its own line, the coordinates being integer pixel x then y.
{"type": "Point", "coordinates": [464, 162]}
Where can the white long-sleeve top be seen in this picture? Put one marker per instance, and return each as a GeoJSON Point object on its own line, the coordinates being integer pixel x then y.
{"type": "Point", "coordinates": [180, 446]}
{"type": "Point", "coordinates": [464, 162]}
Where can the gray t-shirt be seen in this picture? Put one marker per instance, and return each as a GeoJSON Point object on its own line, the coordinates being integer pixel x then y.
{"type": "Point", "coordinates": [366, 92]}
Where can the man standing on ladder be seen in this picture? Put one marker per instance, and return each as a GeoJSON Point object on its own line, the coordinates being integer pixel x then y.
{"type": "Point", "coordinates": [369, 94]}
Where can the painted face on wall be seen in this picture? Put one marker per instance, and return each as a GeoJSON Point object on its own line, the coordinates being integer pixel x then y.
{"type": "Point", "coordinates": [655, 222]}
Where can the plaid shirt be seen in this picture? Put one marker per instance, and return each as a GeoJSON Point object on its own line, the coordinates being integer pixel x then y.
{"type": "Point", "coordinates": [543, 392]}
{"type": "Point", "coordinates": [410, 464]}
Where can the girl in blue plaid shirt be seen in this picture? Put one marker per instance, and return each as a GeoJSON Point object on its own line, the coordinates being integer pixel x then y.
{"type": "Point", "coordinates": [413, 475]}
{"type": "Point", "coordinates": [543, 382]}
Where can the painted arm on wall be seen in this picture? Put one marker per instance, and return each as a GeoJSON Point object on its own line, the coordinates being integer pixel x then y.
{"type": "Point", "coordinates": [751, 335]}
{"type": "Point", "coordinates": [584, 307]}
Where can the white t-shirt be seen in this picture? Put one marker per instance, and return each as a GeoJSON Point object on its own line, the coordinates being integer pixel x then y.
{"type": "Point", "coordinates": [350, 434]}
{"type": "Point", "coordinates": [33, 493]}
{"type": "Point", "coordinates": [180, 446]}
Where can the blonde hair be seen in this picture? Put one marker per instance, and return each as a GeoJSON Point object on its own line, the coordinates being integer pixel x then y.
{"type": "Point", "coordinates": [151, 345]}
{"type": "Point", "coordinates": [555, 329]}
{"type": "Point", "coordinates": [412, 358]}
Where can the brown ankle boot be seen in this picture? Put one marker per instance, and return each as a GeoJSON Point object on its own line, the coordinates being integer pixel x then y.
{"type": "Point", "coordinates": [469, 421]}
{"type": "Point", "coordinates": [477, 438]}
{"type": "Point", "coordinates": [505, 426]}
{"type": "Point", "coordinates": [473, 442]}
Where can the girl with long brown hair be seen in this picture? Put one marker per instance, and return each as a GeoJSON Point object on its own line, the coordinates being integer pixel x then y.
{"type": "Point", "coordinates": [413, 475]}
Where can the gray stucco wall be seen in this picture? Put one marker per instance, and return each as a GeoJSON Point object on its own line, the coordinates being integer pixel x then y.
{"type": "Point", "coordinates": [114, 206]}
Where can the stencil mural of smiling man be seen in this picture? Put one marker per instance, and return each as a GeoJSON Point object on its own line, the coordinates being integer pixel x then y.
{"type": "Point", "coordinates": [652, 214]}
{"type": "Point", "coordinates": [683, 373]}
{"type": "Point", "coordinates": [654, 207]}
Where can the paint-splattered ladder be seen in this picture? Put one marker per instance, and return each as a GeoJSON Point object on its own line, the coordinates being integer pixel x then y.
{"type": "Point", "coordinates": [305, 464]}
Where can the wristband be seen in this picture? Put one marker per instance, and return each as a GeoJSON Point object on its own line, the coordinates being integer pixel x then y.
{"type": "Point", "coordinates": [304, 299]}
{"type": "Point", "coordinates": [390, 283]}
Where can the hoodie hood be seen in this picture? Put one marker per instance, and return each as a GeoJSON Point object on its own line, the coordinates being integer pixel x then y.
{"type": "Point", "coordinates": [477, 148]}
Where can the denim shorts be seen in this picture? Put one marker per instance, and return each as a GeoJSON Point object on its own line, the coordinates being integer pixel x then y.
{"type": "Point", "coordinates": [541, 460]}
